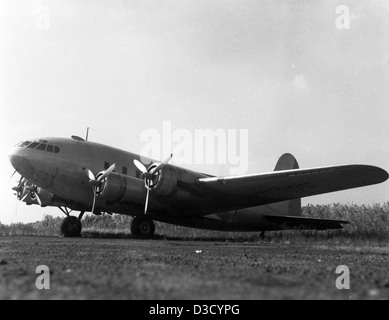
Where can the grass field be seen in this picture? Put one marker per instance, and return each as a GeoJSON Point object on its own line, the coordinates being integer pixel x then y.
{"type": "Point", "coordinates": [367, 222]}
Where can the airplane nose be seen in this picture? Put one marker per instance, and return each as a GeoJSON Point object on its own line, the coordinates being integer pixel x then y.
{"type": "Point", "coordinates": [15, 157]}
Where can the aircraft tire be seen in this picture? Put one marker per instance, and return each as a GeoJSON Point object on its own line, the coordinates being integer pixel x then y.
{"type": "Point", "coordinates": [71, 227]}
{"type": "Point", "coordinates": [142, 227]}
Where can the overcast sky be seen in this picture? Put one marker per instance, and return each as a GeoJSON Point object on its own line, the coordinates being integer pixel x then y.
{"type": "Point", "coordinates": [280, 69]}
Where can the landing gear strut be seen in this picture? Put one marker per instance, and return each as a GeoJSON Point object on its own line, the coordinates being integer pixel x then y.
{"type": "Point", "coordinates": [71, 226]}
{"type": "Point", "coordinates": [142, 227]}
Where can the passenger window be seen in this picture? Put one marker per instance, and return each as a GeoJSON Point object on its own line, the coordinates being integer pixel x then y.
{"type": "Point", "coordinates": [33, 145]}
{"type": "Point", "coordinates": [41, 147]}
{"type": "Point", "coordinates": [124, 170]}
{"type": "Point", "coordinates": [56, 149]}
{"type": "Point", "coordinates": [50, 148]}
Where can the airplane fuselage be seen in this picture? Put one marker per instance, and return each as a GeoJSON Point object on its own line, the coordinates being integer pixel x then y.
{"type": "Point", "coordinates": [86, 176]}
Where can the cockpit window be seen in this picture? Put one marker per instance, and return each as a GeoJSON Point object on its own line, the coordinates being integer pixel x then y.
{"type": "Point", "coordinates": [33, 145]}
{"type": "Point", "coordinates": [41, 147]}
{"type": "Point", "coordinates": [25, 144]}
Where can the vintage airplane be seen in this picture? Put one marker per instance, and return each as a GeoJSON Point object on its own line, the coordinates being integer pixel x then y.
{"type": "Point", "coordinates": [74, 174]}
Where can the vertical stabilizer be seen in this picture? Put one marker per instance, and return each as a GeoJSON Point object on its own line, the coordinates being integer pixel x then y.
{"type": "Point", "coordinates": [289, 207]}
{"type": "Point", "coordinates": [286, 162]}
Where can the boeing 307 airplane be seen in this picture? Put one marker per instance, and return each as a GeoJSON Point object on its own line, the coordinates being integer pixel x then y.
{"type": "Point", "coordinates": [74, 174]}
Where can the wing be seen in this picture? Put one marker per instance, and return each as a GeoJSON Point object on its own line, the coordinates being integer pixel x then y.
{"type": "Point", "coordinates": [236, 192]}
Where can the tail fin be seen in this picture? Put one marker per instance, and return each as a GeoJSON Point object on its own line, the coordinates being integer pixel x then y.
{"type": "Point", "coordinates": [286, 162]}
{"type": "Point", "coordinates": [288, 207]}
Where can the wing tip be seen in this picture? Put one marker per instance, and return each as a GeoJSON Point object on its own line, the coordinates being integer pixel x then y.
{"type": "Point", "coordinates": [374, 174]}
{"type": "Point", "coordinates": [379, 174]}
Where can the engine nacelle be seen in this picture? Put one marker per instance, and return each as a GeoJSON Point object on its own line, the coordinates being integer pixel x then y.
{"type": "Point", "coordinates": [118, 188]}
{"type": "Point", "coordinates": [165, 183]}
{"type": "Point", "coordinates": [121, 188]}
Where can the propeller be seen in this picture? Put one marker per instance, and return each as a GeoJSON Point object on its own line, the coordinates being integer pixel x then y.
{"type": "Point", "coordinates": [15, 181]}
{"type": "Point", "coordinates": [149, 174]}
{"type": "Point", "coordinates": [19, 188]}
{"type": "Point", "coordinates": [24, 188]}
{"type": "Point", "coordinates": [96, 181]}
{"type": "Point", "coordinates": [33, 192]}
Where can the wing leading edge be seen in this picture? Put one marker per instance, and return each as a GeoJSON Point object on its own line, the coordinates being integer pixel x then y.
{"type": "Point", "coordinates": [258, 189]}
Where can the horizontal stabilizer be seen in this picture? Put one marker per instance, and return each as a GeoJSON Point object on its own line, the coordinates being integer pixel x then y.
{"type": "Point", "coordinates": [306, 223]}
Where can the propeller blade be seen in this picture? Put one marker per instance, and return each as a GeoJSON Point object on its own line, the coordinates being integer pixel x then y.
{"type": "Point", "coordinates": [167, 159]}
{"type": "Point", "coordinates": [140, 166]}
{"type": "Point", "coordinates": [13, 174]}
{"type": "Point", "coordinates": [15, 180]}
{"type": "Point", "coordinates": [38, 199]}
{"type": "Point", "coordinates": [147, 198]}
{"type": "Point", "coordinates": [107, 172]}
{"type": "Point", "coordinates": [22, 182]}
{"type": "Point", "coordinates": [90, 174]}
{"type": "Point", "coordinates": [163, 163]}
{"type": "Point", "coordinates": [94, 199]}
{"type": "Point", "coordinates": [25, 196]}
{"type": "Point", "coordinates": [22, 194]}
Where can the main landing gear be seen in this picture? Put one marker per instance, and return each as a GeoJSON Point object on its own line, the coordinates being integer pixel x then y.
{"type": "Point", "coordinates": [142, 227]}
{"type": "Point", "coordinates": [71, 226]}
